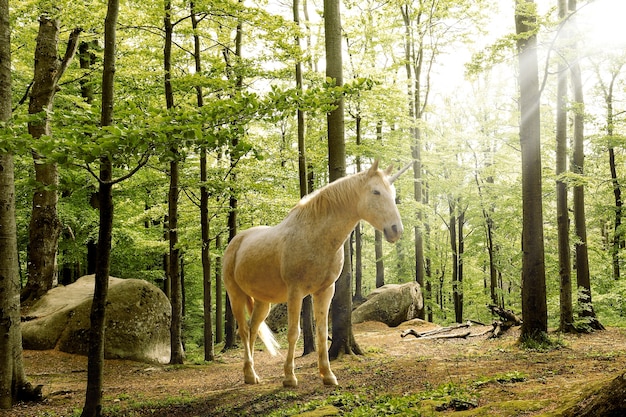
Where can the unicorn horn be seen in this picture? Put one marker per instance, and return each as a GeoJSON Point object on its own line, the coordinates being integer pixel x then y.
{"type": "Point", "coordinates": [397, 174]}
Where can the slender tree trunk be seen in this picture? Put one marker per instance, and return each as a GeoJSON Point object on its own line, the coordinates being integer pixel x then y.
{"type": "Point", "coordinates": [205, 255]}
{"type": "Point", "coordinates": [413, 68]}
{"type": "Point", "coordinates": [176, 296]}
{"type": "Point", "coordinates": [12, 377]}
{"type": "Point", "coordinates": [341, 307]}
{"type": "Point", "coordinates": [582, 257]}
{"type": "Point", "coordinates": [232, 213]}
{"type": "Point", "coordinates": [45, 226]}
{"type": "Point", "coordinates": [219, 293]}
{"type": "Point", "coordinates": [619, 242]}
{"type": "Point", "coordinates": [534, 305]}
{"type": "Point", "coordinates": [378, 235]}
{"type": "Point", "coordinates": [307, 304]}
{"type": "Point", "coordinates": [95, 365]}
{"type": "Point", "coordinates": [562, 212]}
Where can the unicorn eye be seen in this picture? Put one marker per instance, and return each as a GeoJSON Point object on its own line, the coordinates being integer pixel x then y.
{"type": "Point", "coordinates": [376, 192]}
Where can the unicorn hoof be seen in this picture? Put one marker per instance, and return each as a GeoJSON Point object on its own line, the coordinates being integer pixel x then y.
{"type": "Point", "coordinates": [252, 379]}
{"type": "Point", "coordinates": [330, 380]}
{"type": "Point", "coordinates": [290, 383]}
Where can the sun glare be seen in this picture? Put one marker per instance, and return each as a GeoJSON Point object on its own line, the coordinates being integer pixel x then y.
{"type": "Point", "coordinates": [601, 23]}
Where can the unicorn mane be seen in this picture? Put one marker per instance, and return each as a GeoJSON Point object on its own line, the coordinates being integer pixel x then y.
{"type": "Point", "coordinates": [334, 196]}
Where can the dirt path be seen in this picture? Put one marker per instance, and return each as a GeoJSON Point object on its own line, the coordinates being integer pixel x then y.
{"type": "Point", "coordinates": [538, 382]}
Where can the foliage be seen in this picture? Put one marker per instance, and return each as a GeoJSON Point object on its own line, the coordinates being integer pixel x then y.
{"type": "Point", "coordinates": [469, 134]}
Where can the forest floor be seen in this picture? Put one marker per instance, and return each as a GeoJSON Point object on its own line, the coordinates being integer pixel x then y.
{"type": "Point", "coordinates": [408, 375]}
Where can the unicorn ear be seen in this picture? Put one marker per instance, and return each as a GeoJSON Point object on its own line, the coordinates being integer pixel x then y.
{"type": "Point", "coordinates": [373, 169]}
{"type": "Point", "coordinates": [389, 170]}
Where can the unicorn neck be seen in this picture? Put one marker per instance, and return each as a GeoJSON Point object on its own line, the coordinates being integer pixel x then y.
{"type": "Point", "coordinates": [330, 212]}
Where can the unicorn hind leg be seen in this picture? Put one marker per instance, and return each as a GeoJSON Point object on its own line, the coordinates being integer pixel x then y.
{"type": "Point", "coordinates": [240, 301]}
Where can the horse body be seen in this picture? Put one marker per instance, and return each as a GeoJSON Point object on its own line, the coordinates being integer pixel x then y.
{"type": "Point", "coordinates": [303, 255]}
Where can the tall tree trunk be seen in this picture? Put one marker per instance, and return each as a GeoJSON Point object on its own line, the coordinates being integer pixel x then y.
{"type": "Point", "coordinates": [619, 240]}
{"type": "Point", "coordinates": [534, 305]}
{"type": "Point", "coordinates": [205, 254]}
{"type": "Point", "coordinates": [45, 226]}
{"type": "Point", "coordinates": [582, 257]}
{"type": "Point", "coordinates": [176, 296]}
{"type": "Point", "coordinates": [378, 235]}
{"type": "Point", "coordinates": [341, 307]}
{"type": "Point", "coordinates": [95, 365]}
{"type": "Point", "coordinates": [308, 333]}
{"type": "Point", "coordinates": [12, 377]}
{"type": "Point", "coordinates": [452, 207]}
{"type": "Point", "coordinates": [413, 55]}
{"type": "Point", "coordinates": [219, 296]}
{"type": "Point", "coordinates": [562, 212]}
{"type": "Point", "coordinates": [232, 213]}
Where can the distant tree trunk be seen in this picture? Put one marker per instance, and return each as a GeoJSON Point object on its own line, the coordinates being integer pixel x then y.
{"type": "Point", "coordinates": [487, 211]}
{"type": "Point", "coordinates": [219, 296]}
{"type": "Point", "coordinates": [582, 257]}
{"type": "Point", "coordinates": [341, 307]}
{"type": "Point", "coordinates": [232, 213]}
{"type": "Point", "coordinates": [205, 254]}
{"type": "Point", "coordinates": [176, 297]}
{"type": "Point", "coordinates": [534, 305]}
{"type": "Point", "coordinates": [562, 212]}
{"type": "Point", "coordinates": [12, 376]}
{"type": "Point", "coordinates": [619, 241]}
{"type": "Point", "coordinates": [413, 65]}
{"type": "Point", "coordinates": [378, 235]}
{"type": "Point", "coordinates": [95, 365]}
{"type": "Point", "coordinates": [457, 218]}
{"type": "Point", "coordinates": [358, 233]}
{"type": "Point", "coordinates": [45, 226]}
{"type": "Point", "coordinates": [307, 304]}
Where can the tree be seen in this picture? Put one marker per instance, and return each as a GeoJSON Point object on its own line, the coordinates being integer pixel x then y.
{"type": "Point", "coordinates": [341, 306]}
{"type": "Point", "coordinates": [307, 303]}
{"type": "Point", "coordinates": [13, 383]}
{"type": "Point", "coordinates": [176, 295]}
{"type": "Point", "coordinates": [580, 223]}
{"type": "Point", "coordinates": [562, 212]}
{"type": "Point", "coordinates": [534, 304]}
{"type": "Point", "coordinates": [608, 90]}
{"type": "Point", "coordinates": [45, 226]}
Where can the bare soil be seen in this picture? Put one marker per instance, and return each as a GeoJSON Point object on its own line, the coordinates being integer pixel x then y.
{"type": "Point", "coordinates": [501, 377]}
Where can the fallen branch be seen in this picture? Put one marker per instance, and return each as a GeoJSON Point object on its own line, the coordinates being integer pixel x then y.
{"type": "Point", "coordinates": [435, 331]}
{"type": "Point", "coordinates": [448, 336]}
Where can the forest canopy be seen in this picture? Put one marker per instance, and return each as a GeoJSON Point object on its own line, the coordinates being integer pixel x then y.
{"type": "Point", "coordinates": [434, 77]}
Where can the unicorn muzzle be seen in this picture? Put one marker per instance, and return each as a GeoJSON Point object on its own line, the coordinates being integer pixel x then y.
{"type": "Point", "coordinates": [393, 232]}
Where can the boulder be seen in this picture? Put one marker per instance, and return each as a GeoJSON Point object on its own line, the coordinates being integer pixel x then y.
{"type": "Point", "coordinates": [277, 318]}
{"type": "Point", "coordinates": [137, 323]}
{"type": "Point", "coordinates": [391, 304]}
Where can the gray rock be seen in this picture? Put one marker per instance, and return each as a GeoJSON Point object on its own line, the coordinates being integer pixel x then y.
{"type": "Point", "coordinates": [138, 320]}
{"type": "Point", "coordinates": [391, 304]}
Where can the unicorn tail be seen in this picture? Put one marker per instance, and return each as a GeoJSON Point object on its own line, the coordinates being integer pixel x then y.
{"type": "Point", "coordinates": [268, 339]}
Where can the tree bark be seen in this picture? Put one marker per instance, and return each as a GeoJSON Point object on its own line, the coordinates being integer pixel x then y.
{"type": "Point", "coordinates": [562, 212]}
{"type": "Point", "coordinates": [95, 365]}
{"type": "Point", "coordinates": [205, 253]}
{"type": "Point", "coordinates": [176, 296]}
{"type": "Point", "coordinates": [582, 256]}
{"type": "Point", "coordinates": [12, 376]}
{"type": "Point", "coordinates": [233, 202]}
{"type": "Point", "coordinates": [534, 305]}
{"type": "Point", "coordinates": [45, 226]}
{"type": "Point", "coordinates": [619, 242]}
{"type": "Point", "coordinates": [341, 307]}
{"type": "Point", "coordinates": [308, 335]}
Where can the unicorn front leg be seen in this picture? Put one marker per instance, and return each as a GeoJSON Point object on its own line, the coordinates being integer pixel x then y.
{"type": "Point", "coordinates": [294, 305]}
{"type": "Point", "coordinates": [321, 302]}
